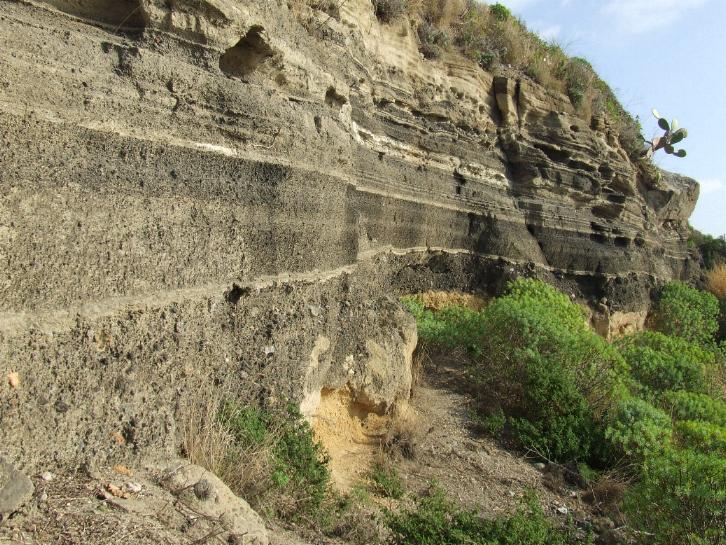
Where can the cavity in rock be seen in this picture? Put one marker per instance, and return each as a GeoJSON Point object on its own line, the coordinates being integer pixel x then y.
{"type": "Point", "coordinates": [244, 58]}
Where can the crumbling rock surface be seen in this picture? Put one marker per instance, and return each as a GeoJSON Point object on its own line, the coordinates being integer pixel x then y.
{"type": "Point", "coordinates": [224, 195]}
{"type": "Point", "coordinates": [15, 489]}
{"type": "Point", "coordinates": [207, 496]}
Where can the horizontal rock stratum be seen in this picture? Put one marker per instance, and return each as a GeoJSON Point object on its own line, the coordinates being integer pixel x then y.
{"type": "Point", "coordinates": [218, 195]}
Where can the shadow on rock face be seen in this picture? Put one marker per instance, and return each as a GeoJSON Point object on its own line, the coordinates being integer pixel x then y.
{"type": "Point", "coordinates": [242, 59]}
{"type": "Point", "coordinates": [121, 14]}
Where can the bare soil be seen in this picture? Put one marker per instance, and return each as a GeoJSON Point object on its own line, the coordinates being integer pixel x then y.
{"type": "Point", "coordinates": [473, 469]}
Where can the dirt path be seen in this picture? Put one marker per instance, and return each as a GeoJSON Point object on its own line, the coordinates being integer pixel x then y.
{"type": "Point", "coordinates": [472, 469]}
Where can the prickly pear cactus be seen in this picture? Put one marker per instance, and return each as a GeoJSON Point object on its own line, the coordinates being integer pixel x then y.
{"type": "Point", "coordinates": [673, 134]}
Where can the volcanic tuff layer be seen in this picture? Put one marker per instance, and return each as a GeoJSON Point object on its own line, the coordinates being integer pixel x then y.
{"type": "Point", "coordinates": [221, 193]}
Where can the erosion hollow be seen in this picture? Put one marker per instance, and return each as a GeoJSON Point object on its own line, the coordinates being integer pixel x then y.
{"type": "Point", "coordinates": [242, 59]}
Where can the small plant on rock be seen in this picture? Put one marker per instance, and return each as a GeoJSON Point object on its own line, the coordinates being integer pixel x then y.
{"type": "Point", "coordinates": [433, 41]}
{"type": "Point", "coordinates": [389, 10]}
{"type": "Point", "coordinates": [673, 134]}
{"type": "Point", "coordinates": [500, 12]}
{"type": "Point", "coordinates": [386, 480]}
{"type": "Point", "coordinates": [294, 479]}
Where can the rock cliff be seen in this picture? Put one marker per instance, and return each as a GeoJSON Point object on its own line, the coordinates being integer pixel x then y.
{"type": "Point", "coordinates": [232, 194]}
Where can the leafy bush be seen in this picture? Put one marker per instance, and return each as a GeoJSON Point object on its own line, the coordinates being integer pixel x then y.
{"type": "Point", "coordinates": [691, 406]}
{"type": "Point", "coordinates": [492, 424]}
{"type": "Point", "coordinates": [500, 12]}
{"type": "Point", "coordinates": [450, 326]}
{"type": "Point", "coordinates": [536, 362]}
{"type": "Point", "coordinates": [680, 499]}
{"type": "Point", "coordinates": [638, 429]}
{"type": "Point", "coordinates": [297, 464]}
{"type": "Point", "coordinates": [702, 436]}
{"type": "Point", "coordinates": [659, 362]}
{"type": "Point", "coordinates": [712, 249]}
{"type": "Point", "coordinates": [553, 377]}
{"type": "Point", "coordinates": [474, 38]}
{"type": "Point", "coordinates": [387, 481]}
{"type": "Point", "coordinates": [579, 77]}
{"type": "Point", "coordinates": [686, 312]}
{"type": "Point", "coordinates": [556, 420]}
{"type": "Point", "coordinates": [436, 521]}
{"type": "Point", "coordinates": [433, 40]}
{"type": "Point", "coordinates": [389, 10]}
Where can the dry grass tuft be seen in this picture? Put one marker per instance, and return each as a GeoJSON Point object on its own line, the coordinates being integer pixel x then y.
{"type": "Point", "coordinates": [402, 437]}
{"type": "Point", "coordinates": [716, 281]}
{"type": "Point", "coordinates": [607, 495]}
{"type": "Point", "coordinates": [418, 364]}
{"type": "Point", "coordinates": [208, 443]}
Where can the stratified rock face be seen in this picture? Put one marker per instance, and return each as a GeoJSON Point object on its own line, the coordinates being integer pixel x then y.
{"type": "Point", "coordinates": [228, 195]}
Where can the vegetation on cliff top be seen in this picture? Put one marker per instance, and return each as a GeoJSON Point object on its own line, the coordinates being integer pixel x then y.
{"type": "Point", "coordinates": [494, 38]}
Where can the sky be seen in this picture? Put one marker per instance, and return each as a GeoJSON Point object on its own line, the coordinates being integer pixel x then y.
{"type": "Point", "coordinates": [663, 54]}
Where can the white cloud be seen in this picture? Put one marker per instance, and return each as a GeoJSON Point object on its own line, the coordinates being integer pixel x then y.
{"type": "Point", "coordinates": [712, 185]}
{"type": "Point", "coordinates": [639, 16]}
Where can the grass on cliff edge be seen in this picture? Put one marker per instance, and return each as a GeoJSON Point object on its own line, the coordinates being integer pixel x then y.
{"type": "Point", "coordinates": [495, 39]}
{"type": "Point", "coordinates": [650, 406]}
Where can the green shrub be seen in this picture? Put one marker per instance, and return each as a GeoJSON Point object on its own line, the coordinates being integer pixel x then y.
{"type": "Point", "coordinates": [691, 406]}
{"type": "Point", "coordinates": [389, 10]}
{"type": "Point", "coordinates": [451, 326]}
{"type": "Point", "coordinates": [702, 436]}
{"type": "Point", "coordinates": [686, 312]}
{"type": "Point", "coordinates": [387, 481]}
{"type": "Point", "coordinates": [479, 39]}
{"type": "Point", "coordinates": [248, 425]}
{"type": "Point", "coordinates": [437, 521]}
{"type": "Point", "coordinates": [579, 77]}
{"type": "Point", "coordinates": [637, 429]}
{"type": "Point", "coordinates": [485, 59]}
{"type": "Point", "coordinates": [298, 463]}
{"type": "Point", "coordinates": [680, 499]}
{"type": "Point", "coordinates": [712, 249]}
{"type": "Point", "coordinates": [539, 362]}
{"type": "Point", "coordinates": [589, 475]}
{"type": "Point", "coordinates": [491, 424]}
{"type": "Point", "coordinates": [556, 420]}
{"type": "Point", "coordinates": [659, 362]}
{"type": "Point", "coordinates": [433, 41]}
{"type": "Point", "coordinates": [535, 361]}
{"type": "Point", "coordinates": [500, 12]}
